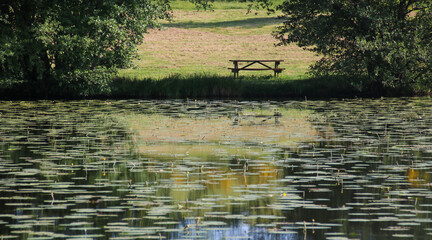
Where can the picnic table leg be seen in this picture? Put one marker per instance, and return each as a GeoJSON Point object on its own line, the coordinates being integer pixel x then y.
{"type": "Point", "coordinates": [276, 72]}
{"type": "Point", "coordinates": [235, 71]}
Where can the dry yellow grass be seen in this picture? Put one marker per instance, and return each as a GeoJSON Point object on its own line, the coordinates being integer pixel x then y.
{"type": "Point", "coordinates": [204, 42]}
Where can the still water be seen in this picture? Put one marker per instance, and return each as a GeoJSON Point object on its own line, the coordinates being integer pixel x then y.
{"type": "Point", "coordinates": [181, 169]}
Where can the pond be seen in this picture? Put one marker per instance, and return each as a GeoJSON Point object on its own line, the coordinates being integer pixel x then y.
{"type": "Point", "coordinates": [187, 169]}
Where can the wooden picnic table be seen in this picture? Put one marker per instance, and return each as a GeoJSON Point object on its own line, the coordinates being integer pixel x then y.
{"type": "Point", "coordinates": [263, 64]}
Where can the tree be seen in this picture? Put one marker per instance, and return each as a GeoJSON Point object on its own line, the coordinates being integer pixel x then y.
{"type": "Point", "coordinates": [389, 41]}
{"type": "Point", "coordinates": [74, 46]}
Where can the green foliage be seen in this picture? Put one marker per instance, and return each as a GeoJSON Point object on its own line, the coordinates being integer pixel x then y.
{"type": "Point", "coordinates": [72, 45]}
{"type": "Point", "coordinates": [387, 40]}
{"type": "Point", "coordinates": [84, 83]}
{"type": "Point", "coordinates": [203, 4]}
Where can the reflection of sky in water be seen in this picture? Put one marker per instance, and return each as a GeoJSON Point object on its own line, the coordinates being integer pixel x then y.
{"type": "Point", "coordinates": [241, 230]}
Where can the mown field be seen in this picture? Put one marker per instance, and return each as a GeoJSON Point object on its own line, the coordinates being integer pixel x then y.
{"type": "Point", "coordinates": [203, 42]}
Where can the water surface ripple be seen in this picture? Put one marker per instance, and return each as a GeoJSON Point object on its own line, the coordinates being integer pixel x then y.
{"type": "Point", "coordinates": [181, 169]}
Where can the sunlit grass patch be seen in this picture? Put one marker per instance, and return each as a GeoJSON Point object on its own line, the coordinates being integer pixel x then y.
{"type": "Point", "coordinates": [203, 42]}
{"type": "Point", "coordinates": [192, 51]}
{"type": "Point", "coordinates": [187, 5]}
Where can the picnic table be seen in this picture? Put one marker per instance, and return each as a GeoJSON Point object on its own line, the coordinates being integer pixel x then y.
{"type": "Point", "coordinates": [264, 65]}
{"type": "Point", "coordinates": [252, 117]}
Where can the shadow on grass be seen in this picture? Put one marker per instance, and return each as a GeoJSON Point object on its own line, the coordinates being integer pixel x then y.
{"type": "Point", "coordinates": [245, 23]}
{"type": "Point", "coordinates": [220, 87]}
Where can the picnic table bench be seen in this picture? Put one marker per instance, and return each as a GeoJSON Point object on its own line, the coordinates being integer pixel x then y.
{"type": "Point", "coordinates": [263, 63]}
{"type": "Point", "coordinates": [251, 118]}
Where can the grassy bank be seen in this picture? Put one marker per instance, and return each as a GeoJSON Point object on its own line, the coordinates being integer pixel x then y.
{"type": "Point", "coordinates": [216, 86]}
